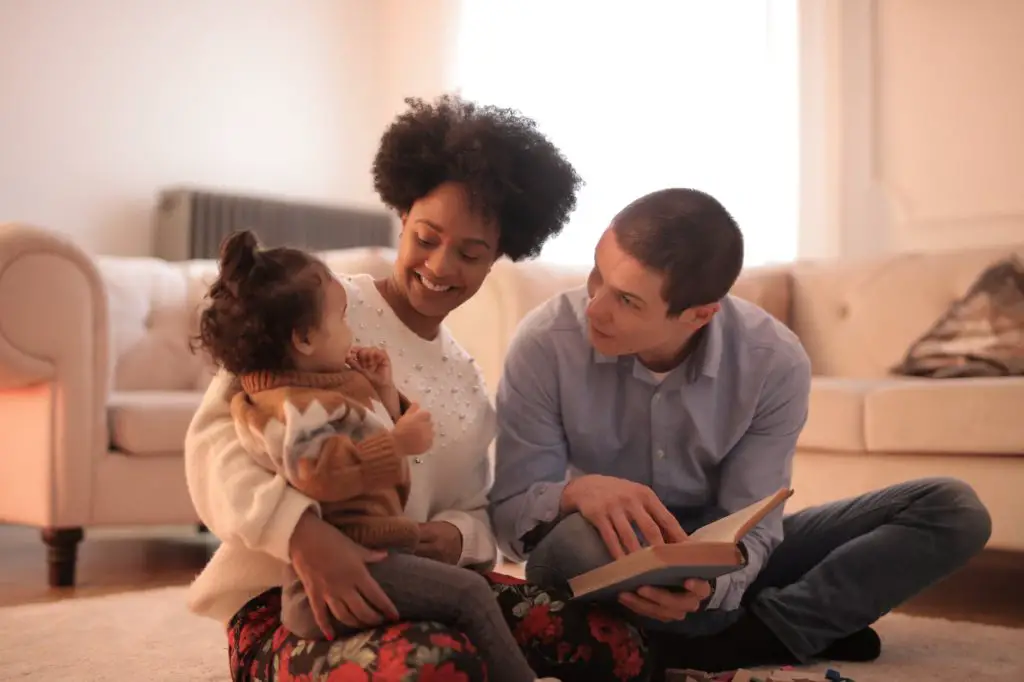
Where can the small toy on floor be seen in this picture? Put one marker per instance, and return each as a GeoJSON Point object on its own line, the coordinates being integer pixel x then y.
{"type": "Point", "coordinates": [742, 675]}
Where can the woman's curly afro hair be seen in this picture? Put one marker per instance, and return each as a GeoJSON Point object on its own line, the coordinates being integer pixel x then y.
{"type": "Point", "coordinates": [512, 173]}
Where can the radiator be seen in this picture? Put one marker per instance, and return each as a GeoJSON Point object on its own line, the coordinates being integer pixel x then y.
{"type": "Point", "coordinates": [192, 223]}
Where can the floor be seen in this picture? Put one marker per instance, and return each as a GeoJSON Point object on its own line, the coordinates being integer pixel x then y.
{"type": "Point", "coordinates": [986, 591]}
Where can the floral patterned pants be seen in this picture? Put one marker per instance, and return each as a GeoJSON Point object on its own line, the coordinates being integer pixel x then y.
{"type": "Point", "coordinates": [572, 641]}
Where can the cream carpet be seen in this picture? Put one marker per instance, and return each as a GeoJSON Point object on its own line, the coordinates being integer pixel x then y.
{"type": "Point", "coordinates": [150, 636]}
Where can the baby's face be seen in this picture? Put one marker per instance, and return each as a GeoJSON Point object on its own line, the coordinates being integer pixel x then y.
{"type": "Point", "coordinates": [326, 347]}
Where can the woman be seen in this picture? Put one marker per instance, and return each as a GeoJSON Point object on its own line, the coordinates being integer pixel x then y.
{"type": "Point", "coordinates": [471, 184]}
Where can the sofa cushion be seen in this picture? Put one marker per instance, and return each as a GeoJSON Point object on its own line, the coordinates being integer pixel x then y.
{"type": "Point", "coordinates": [154, 308]}
{"type": "Point", "coordinates": [835, 420]}
{"type": "Point", "coordinates": [151, 422]}
{"type": "Point", "coordinates": [980, 335]}
{"type": "Point", "coordinates": [857, 318]}
{"type": "Point", "coordinates": [961, 416]}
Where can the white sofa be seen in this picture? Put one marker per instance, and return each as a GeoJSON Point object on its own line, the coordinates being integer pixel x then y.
{"type": "Point", "coordinates": [98, 383]}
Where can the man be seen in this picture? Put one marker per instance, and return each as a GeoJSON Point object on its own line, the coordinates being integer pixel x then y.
{"type": "Point", "coordinates": [649, 402]}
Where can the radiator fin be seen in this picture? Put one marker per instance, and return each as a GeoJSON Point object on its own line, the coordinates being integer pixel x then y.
{"type": "Point", "coordinates": [192, 223]}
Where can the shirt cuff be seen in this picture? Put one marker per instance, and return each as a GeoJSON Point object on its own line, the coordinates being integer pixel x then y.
{"type": "Point", "coordinates": [542, 506]}
{"type": "Point", "coordinates": [277, 538]}
{"type": "Point", "coordinates": [722, 584]}
{"type": "Point", "coordinates": [478, 548]}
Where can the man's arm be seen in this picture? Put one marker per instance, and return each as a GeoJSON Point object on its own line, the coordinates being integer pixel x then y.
{"type": "Point", "coordinates": [761, 463]}
{"type": "Point", "coordinates": [531, 456]}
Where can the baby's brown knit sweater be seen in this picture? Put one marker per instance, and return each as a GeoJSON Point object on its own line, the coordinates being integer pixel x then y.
{"type": "Point", "coordinates": [329, 436]}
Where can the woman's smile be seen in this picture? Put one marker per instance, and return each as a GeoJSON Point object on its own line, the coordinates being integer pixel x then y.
{"type": "Point", "coordinates": [431, 284]}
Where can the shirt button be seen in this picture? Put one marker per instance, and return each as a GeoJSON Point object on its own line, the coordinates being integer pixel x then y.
{"type": "Point", "coordinates": [657, 397]}
{"type": "Point", "coordinates": [660, 454]}
{"type": "Point", "coordinates": [418, 460]}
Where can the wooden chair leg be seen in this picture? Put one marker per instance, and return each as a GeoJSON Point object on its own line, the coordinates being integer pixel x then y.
{"type": "Point", "coordinates": [62, 554]}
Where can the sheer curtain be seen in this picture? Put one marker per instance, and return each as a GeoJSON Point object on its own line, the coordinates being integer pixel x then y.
{"type": "Point", "coordinates": [651, 94]}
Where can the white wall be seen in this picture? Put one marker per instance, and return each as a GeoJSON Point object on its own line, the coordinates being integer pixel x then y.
{"type": "Point", "coordinates": [910, 133]}
{"type": "Point", "coordinates": [420, 42]}
{"type": "Point", "coordinates": [912, 125]}
{"type": "Point", "coordinates": [103, 102]}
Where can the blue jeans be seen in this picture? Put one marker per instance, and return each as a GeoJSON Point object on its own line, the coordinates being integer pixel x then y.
{"type": "Point", "coordinates": [840, 567]}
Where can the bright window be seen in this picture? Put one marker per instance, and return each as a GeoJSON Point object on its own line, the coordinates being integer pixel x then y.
{"type": "Point", "coordinates": [653, 94]}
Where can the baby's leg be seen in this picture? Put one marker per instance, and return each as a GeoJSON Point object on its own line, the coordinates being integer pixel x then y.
{"type": "Point", "coordinates": [296, 614]}
{"type": "Point", "coordinates": [424, 589]}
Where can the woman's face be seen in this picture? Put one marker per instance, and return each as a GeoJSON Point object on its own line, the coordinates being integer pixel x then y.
{"type": "Point", "coordinates": [445, 251]}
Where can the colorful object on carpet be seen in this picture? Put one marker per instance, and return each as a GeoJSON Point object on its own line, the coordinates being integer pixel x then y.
{"type": "Point", "coordinates": [787, 674]}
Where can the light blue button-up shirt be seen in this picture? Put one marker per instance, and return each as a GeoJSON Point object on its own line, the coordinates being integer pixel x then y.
{"type": "Point", "coordinates": [718, 432]}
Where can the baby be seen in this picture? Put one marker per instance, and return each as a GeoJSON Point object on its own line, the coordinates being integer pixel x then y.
{"type": "Point", "coordinates": [328, 418]}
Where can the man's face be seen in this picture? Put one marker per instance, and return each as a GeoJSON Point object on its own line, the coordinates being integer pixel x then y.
{"type": "Point", "coordinates": [627, 314]}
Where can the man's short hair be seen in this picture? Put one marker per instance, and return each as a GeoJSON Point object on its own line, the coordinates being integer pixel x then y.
{"type": "Point", "coordinates": [689, 237]}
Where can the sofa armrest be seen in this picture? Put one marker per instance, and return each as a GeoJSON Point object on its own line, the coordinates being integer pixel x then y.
{"type": "Point", "coordinates": [53, 374]}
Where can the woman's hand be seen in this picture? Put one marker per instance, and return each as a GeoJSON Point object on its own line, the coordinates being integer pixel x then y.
{"type": "Point", "coordinates": [332, 568]}
{"type": "Point", "coordinates": [440, 541]}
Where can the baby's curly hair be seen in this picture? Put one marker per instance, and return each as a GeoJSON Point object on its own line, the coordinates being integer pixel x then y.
{"type": "Point", "coordinates": [260, 297]}
{"type": "Point", "coordinates": [512, 172]}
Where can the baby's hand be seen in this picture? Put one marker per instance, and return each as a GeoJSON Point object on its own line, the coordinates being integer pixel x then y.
{"type": "Point", "coordinates": [414, 431]}
{"type": "Point", "coordinates": [374, 363]}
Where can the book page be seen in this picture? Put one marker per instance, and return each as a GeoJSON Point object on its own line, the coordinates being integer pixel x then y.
{"type": "Point", "coordinates": [733, 527]}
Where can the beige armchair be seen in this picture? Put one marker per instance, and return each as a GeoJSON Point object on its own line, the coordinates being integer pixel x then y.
{"type": "Point", "coordinates": [98, 386]}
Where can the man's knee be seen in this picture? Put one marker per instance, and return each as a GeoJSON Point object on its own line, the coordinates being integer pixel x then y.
{"type": "Point", "coordinates": [965, 516]}
{"type": "Point", "coordinates": [571, 548]}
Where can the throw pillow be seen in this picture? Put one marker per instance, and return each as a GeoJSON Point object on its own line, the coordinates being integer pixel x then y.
{"type": "Point", "coordinates": [980, 335]}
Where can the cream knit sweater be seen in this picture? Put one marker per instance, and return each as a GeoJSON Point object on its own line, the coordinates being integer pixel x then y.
{"type": "Point", "coordinates": [254, 512]}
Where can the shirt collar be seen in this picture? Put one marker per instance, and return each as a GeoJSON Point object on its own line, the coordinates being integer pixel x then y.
{"type": "Point", "coordinates": [707, 356]}
{"type": "Point", "coordinates": [705, 359]}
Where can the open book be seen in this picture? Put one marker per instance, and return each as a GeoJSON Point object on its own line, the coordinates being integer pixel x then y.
{"type": "Point", "coordinates": [709, 552]}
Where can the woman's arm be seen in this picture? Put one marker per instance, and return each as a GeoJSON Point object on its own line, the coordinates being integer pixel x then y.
{"type": "Point", "coordinates": [333, 572]}
{"type": "Point", "coordinates": [241, 501]}
{"type": "Point", "coordinates": [235, 497]}
{"type": "Point", "coordinates": [468, 509]}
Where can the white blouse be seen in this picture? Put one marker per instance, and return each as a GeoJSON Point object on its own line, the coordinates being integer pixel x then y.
{"type": "Point", "coordinates": [451, 481]}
